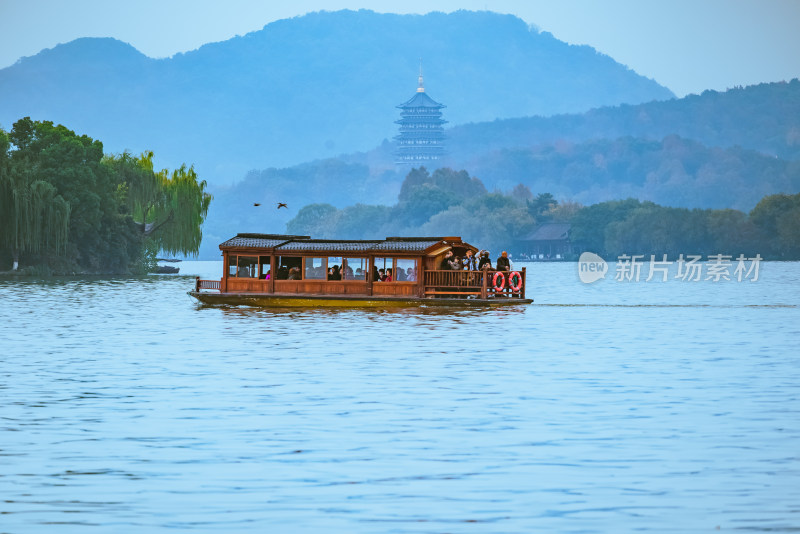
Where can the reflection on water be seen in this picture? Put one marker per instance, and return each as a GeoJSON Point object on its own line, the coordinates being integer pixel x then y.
{"type": "Point", "coordinates": [128, 407]}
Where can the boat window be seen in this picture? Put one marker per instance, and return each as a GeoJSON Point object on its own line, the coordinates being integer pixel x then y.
{"type": "Point", "coordinates": [384, 267]}
{"type": "Point", "coordinates": [334, 268]}
{"type": "Point", "coordinates": [315, 269]}
{"type": "Point", "coordinates": [232, 265]}
{"type": "Point", "coordinates": [354, 269]}
{"type": "Point", "coordinates": [289, 268]}
{"type": "Point", "coordinates": [406, 270]}
{"type": "Point", "coordinates": [264, 267]}
{"type": "Point", "coordinates": [247, 266]}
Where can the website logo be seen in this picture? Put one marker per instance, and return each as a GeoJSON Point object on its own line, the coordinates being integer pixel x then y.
{"type": "Point", "coordinates": [591, 268]}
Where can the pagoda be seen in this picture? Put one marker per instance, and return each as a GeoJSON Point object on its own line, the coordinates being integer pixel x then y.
{"type": "Point", "coordinates": [421, 136]}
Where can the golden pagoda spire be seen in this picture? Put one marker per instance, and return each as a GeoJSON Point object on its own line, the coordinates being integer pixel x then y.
{"type": "Point", "coordinates": [421, 87]}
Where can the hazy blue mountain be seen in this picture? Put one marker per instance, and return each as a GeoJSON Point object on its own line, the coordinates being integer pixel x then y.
{"type": "Point", "coordinates": [310, 87]}
{"type": "Point", "coordinates": [760, 122]}
{"type": "Point", "coordinates": [764, 117]}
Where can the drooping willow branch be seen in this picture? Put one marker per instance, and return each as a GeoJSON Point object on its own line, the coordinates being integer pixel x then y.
{"type": "Point", "coordinates": [34, 217]}
{"type": "Point", "coordinates": [168, 207]}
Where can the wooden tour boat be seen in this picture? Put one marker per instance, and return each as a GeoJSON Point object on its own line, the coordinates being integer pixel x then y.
{"type": "Point", "coordinates": [290, 270]}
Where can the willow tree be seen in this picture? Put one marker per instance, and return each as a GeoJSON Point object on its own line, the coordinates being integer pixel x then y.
{"type": "Point", "coordinates": [168, 207]}
{"type": "Point", "coordinates": [34, 218]}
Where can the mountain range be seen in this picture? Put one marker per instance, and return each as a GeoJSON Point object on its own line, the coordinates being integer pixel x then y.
{"type": "Point", "coordinates": [309, 87]}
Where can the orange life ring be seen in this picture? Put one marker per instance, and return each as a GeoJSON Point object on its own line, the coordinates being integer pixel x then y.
{"type": "Point", "coordinates": [502, 278]}
{"type": "Point", "coordinates": [515, 287]}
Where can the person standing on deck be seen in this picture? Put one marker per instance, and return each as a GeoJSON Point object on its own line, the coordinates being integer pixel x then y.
{"type": "Point", "coordinates": [470, 262]}
{"type": "Point", "coordinates": [445, 265]}
{"type": "Point", "coordinates": [485, 261]}
{"type": "Point", "coordinates": [504, 264]}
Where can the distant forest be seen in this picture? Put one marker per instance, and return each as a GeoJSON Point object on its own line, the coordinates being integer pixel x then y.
{"type": "Point", "coordinates": [66, 207]}
{"type": "Point", "coordinates": [448, 202]}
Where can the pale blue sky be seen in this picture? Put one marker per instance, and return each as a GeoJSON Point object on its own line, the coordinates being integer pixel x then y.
{"type": "Point", "coordinates": [687, 45]}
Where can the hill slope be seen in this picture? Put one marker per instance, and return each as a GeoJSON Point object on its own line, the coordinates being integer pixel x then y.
{"type": "Point", "coordinates": [764, 117]}
{"type": "Point", "coordinates": [310, 87]}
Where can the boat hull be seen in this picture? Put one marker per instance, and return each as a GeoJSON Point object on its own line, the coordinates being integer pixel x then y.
{"type": "Point", "coordinates": [271, 300]}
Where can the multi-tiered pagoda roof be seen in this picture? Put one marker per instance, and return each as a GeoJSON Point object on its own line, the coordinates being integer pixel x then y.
{"type": "Point", "coordinates": [421, 136]}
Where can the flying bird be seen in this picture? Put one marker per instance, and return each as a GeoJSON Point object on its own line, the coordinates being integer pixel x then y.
{"type": "Point", "coordinates": [282, 205]}
{"type": "Point", "coordinates": [256, 204]}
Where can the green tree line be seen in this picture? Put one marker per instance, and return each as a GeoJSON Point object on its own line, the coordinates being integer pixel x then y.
{"type": "Point", "coordinates": [771, 229]}
{"type": "Point", "coordinates": [448, 202]}
{"type": "Point", "coordinates": [65, 206]}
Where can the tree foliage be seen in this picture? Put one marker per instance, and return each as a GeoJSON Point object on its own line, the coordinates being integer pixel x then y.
{"type": "Point", "coordinates": [169, 208]}
{"type": "Point", "coordinates": [423, 195]}
{"type": "Point", "coordinates": [65, 205]}
{"type": "Point", "coordinates": [633, 227]}
{"type": "Point", "coordinates": [778, 217]}
{"type": "Point", "coordinates": [33, 216]}
{"type": "Point", "coordinates": [315, 220]}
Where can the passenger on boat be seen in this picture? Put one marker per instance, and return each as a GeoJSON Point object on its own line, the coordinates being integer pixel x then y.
{"type": "Point", "coordinates": [388, 277]}
{"type": "Point", "coordinates": [283, 273]}
{"type": "Point", "coordinates": [455, 264]}
{"type": "Point", "coordinates": [503, 263]}
{"type": "Point", "coordinates": [376, 275]}
{"type": "Point", "coordinates": [294, 273]}
{"type": "Point", "coordinates": [335, 274]}
{"type": "Point", "coordinates": [401, 275]}
{"type": "Point", "coordinates": [381, 275]}
{"type": "Point", "coordinates": [445, 265]}
{"type": "Point", "coordinates": [268, 275]}
{"type": "Point", "coordinates": [411, 275]}
{"type": "Point", "coordinates": [485, 261]}
{"type": "Point", "coordinates": [470, 262]}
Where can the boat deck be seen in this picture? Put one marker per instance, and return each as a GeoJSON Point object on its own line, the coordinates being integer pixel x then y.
{"type": "Point", "coordinates": [281, 300]}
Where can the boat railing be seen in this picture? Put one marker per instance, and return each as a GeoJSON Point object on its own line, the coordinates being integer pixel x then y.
{"type": "Point", "coordinates": [210, 285]}
{"type": "Point", "coordinates": [484, 284]}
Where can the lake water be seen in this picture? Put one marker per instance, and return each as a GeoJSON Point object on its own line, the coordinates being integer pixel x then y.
{"type": "Point", "coordinates": [611, 407]}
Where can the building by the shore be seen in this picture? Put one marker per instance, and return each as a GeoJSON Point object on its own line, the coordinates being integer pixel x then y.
{"type": "Point", "coordinates": [548, 241]}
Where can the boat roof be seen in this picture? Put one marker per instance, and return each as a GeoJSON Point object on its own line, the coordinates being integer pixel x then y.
{"type": "Point", "coordinates": [259, 240]}
{"type": "Point", "coordinates": [304, 244]}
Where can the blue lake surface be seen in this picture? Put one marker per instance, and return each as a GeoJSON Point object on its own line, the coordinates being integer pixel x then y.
{"type": "Point", "coordinates": [611, 407]}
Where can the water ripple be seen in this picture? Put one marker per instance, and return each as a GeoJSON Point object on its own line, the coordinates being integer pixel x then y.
{"type": "Point", "coordinates": [127, 407]}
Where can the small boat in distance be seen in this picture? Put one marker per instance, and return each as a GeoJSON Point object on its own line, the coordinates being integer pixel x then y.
{"type": "Point", "coordinates": [297, 271]}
